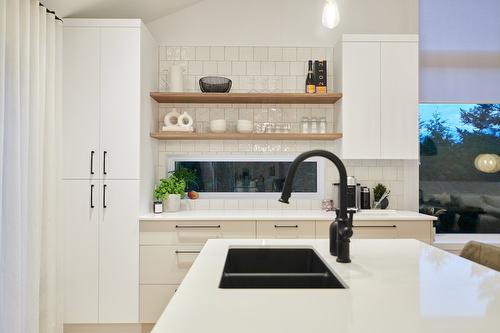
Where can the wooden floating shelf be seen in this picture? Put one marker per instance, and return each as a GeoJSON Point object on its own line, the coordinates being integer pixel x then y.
{"type": "Point", "coordinates": [244, 136]}
{"type": "Point", "coordinates": [245, 98]}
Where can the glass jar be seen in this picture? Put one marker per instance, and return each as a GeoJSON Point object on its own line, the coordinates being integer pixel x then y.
{"type": "Point", "coordinates": [304, 125]}
{"type": "Point", "coordinates": [313, 126]}
{"type": "Point", "coordinates": [322, 125]}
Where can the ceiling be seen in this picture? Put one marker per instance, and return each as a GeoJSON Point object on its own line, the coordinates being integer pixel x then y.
{"type": "Point", "coordinates": [148, 10]}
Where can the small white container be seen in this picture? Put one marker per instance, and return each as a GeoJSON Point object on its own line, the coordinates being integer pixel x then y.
{"type": "Point", "coordinates": [218, 125]}
{"type": "Point", "coordinates": [244, 126]}
{"type": "Point", "coordinates": [173, 203]}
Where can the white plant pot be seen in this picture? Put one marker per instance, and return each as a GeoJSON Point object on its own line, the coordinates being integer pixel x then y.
{"type": "Point", "coordinates": [173, 203]}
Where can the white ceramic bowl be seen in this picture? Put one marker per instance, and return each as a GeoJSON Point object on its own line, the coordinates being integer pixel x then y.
{"type": "Point", "coordinates": [244, 126]}
{"type": "Point", "coordinates": [218, 125]}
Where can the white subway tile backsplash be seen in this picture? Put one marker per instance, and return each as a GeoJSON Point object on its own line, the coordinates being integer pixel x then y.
{"type": "Point", "coordinates": [202, 53]}
{"type": "Point", "coordinates": [298, 68]}
{"type": "Point", "coordinates": [188, 53]}
{"type": "Point", "coordinates": [268, 68]}
{"type": "Point", "coordinates": [231, 53]}
{"type": "Point", "coordinates": [216, 53]}
{"type": "Point", "coordinates": [209, 68]}
{"type": "Point", "coordinates": [283, 68]}
{"type": "Point", "coordinates": [253, 68]}
{"type": "Point", "coordinates": [224, 68]}
{"type": "Point", "coordinates": [246, 53]}
{"type": "Point", "coordinates": [275, 54]}
{"type": "Point", "coordinates": [289, 54]}
{"type": "Point", "coordinates": [195, 68]}
{"type": "Point", "coordinates": [303, 54]}
{"type": "Point", "coordinates": [260, 54]}
{"type": "Point", "coordinates": [318, 53]}
{"type": "Point", "coordinates": [239, 68]}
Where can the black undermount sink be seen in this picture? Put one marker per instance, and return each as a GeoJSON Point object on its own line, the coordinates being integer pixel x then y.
{"type": "Point", "coordinates": [276, 268]}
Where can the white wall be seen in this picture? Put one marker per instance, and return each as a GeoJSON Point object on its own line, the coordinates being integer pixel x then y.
{"type": "Point", "coordinates": [459, 51]}
{"type": "Point", "coordinates": [280, 22]}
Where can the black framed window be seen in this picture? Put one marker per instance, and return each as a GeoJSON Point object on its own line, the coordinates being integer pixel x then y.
{"type": "Point", "coordinates": [458, 147]}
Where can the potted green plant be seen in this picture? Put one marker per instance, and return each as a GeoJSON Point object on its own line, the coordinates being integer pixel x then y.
{"type": "Point", "coordinates": [381, 201]}
{"type": "Point", "coordinates": [170, 190]}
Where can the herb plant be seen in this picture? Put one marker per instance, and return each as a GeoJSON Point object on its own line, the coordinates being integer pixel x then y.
{"type": "Point", "coordinates": [378, 191]}
{"type": "Point", "coordinates": [171, 185]}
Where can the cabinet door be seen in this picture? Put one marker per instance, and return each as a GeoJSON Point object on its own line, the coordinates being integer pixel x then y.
{"type": "Point", "coordinates": [80, 214]}
{"type": "Point", "coordinates": [81, 102]}
{"type": "Point", "coordinates": [154, 299]}
{"type": "Point", "coordinates": [399, 100]}
{"type": "Point", "coordinates": [119, 252]}
{"type": "Point", "coordinates": [120, 102]}
{"type": "Point", "coordinates": [361, 100]}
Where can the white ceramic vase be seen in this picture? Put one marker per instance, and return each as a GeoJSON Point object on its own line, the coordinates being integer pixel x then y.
{"type": "Point", "coordinates": [173, 203]}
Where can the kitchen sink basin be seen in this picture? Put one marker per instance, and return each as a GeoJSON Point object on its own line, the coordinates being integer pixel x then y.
{"type": "Point", "coordinates": [276, 268]}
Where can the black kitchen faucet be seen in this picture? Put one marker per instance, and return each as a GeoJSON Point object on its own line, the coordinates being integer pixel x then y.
{"type": "Point", "coordinates": [341, 228]}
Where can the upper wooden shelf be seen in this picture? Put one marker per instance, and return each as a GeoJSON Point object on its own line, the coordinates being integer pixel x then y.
{"type": "Point", "coordinates": [242, 136]}
{"type": "Point", "coordinates": [246, 98]}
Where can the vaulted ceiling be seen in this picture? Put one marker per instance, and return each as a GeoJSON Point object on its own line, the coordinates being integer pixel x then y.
{"type": "Point", "coordinates": [147, 10]}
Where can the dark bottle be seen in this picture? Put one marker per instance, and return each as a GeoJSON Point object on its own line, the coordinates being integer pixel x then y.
{"type": "Point", "coordinates": [310, 82]}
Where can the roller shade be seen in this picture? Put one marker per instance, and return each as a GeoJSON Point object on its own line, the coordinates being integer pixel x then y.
{"type": "Point", "coordinates": [459, 51]}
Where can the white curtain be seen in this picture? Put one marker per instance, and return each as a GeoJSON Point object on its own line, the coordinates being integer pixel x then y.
{"type": "Point", "coordinates": [30, 125]}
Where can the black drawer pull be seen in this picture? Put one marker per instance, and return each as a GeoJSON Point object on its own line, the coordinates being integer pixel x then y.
{"type": "Point", "coordinates": [198, 226]}
{"type": "Point", "coordinates": [286, 226]}
{"type": "Point", "coordinates": [374, 226]}
{"type": "Point", "coordinates": [186, 252]}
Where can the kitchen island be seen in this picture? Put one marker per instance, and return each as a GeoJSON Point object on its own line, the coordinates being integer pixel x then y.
{"type": "Point", "coordinates": [397, 285]}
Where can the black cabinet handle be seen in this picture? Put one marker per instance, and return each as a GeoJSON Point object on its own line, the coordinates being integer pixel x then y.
{"type": "Point", "coordinates": [104, 196]}
{"type": "Point", "coordinates": [92, 162]}
{"type": "Point", "coordinates": [286, 226]}
{"type": "Point", "coordinates": [92, 196]}
{"type": "Point", "coordinates": [198, 226]}
{"type": "Point", "coordinates": [104, 163]}
{"type": "Point", "coordinates": [374, 226]}
{"type": "Point", "coordinates": [186, 252]}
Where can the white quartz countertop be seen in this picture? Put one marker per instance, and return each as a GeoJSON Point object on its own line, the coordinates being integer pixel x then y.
{"type": "Point", "coordinates": [393, 286]}
{"type": "Point", "coordinates": [211, 215]}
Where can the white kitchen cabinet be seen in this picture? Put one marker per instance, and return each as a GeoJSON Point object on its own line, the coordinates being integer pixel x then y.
{"type": "Point", "coordinates": [102, 101]}
{"type": "Point", "coordinates": [361, 108]}
{"type": "Point", "coordinates": [120, 102]}
{"type": "Point", "coordinates": [81, 254]}
{"type": "Point", "coordinates": [81, 103]}
{"type": "Point", "coordinates": [110, 68]}
{"type": "Point", "coordinates": [399, 100]}
{"type": "Point", "coordinates": [118, 260]}
{"type": "Point", "coordinates": [379, 83]}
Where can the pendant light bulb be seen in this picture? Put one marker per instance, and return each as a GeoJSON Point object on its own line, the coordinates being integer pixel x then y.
{"type": "Point", "coordinates": [331, 15]}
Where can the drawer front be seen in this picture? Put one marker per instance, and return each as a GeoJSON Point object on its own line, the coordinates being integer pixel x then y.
{"type": "Point", "coordinates": [166, 264]}
{"type": "Point", "coordinates": [362, 229]}
{"type": "Point", "coordinates": [420, 230]}
{"type": "Point", "coordinates": [152, 301]}
{"type": "Point", "coordinates": [285, 229]}
{"type": "Point", "coordinates": [193, 232]}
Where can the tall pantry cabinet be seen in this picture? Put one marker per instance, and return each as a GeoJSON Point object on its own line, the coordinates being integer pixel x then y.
{"type": "Point", "coordinates": [110, 66]}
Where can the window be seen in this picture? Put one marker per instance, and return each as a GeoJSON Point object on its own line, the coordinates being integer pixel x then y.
{"type": "Point", "coordinates": [452, 185]}
{"type": "Point", "coordinates": [247, 176]}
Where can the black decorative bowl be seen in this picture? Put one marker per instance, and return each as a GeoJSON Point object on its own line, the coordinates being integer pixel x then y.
{"type": "Point", "coordinates": [215, 84]}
